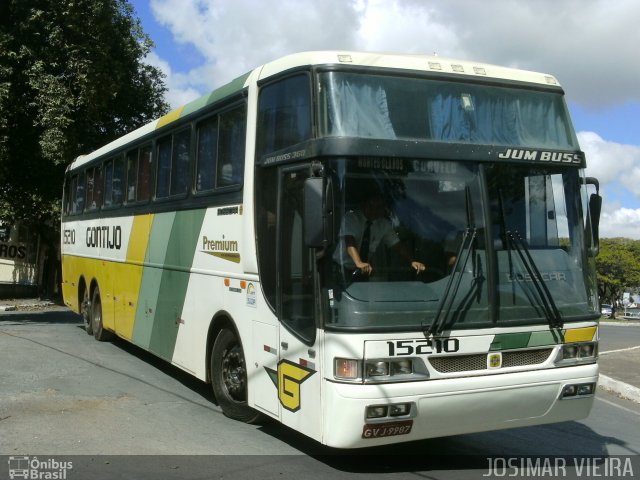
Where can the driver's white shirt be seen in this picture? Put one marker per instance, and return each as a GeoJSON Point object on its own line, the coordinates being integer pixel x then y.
{"type": "Point", "coordinates": [353, 224]}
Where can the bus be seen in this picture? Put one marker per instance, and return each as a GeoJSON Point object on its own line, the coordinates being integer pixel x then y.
{"type": "Point", "coordinates": [19, 247]}
{"type": "Point", "coordinates": [216, 237]}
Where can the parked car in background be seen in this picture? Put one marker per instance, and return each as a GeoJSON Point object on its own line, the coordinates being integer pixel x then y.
{"type": "Point", "coordinates": [605, 309]}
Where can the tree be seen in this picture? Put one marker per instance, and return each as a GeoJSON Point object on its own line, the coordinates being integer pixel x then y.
{"type": "Point", "coordinates": [618, 267]}
{"type": "Point", "coordinates": [72, 78]}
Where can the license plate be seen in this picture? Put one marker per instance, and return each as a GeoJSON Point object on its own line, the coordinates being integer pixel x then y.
{"type": "Point", "coordinates": [379, 430]}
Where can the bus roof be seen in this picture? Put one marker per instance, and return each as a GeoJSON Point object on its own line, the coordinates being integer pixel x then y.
{"type": "Point", "coordinates": [426, 63]}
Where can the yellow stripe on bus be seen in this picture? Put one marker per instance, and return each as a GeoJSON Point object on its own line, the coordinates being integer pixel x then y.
{"type": "Point", "coordinates": [579, 334]}
{"type": "Point", "coordinates": [129, 276]}
{"type": "Point", "coordinates": [169, 117]}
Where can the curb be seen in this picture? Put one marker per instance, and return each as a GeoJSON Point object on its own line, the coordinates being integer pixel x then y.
{"type": "Point", "coordinates": [622, 389]}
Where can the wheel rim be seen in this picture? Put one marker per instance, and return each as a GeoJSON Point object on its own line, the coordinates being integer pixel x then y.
{"type": "Point", "coordinates": [96, 317]}
{"type": "Point", "coordinates": [234, 373]}
{"type": "Point", "coordinates": [84, 308]}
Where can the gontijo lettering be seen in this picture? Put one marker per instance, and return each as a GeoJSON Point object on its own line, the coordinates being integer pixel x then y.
{"type": "Point", "coordinates": [104, 237]}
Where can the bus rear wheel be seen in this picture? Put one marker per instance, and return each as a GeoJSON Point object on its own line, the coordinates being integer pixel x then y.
{"type": "Point", "coordinates": [229, 378]}
{"type": "Point", "coordinates": [99, 332]}
{"type": "Point", "coordinates": [85, 311]}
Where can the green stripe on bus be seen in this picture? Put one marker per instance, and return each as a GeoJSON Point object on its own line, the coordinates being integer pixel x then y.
{"type": "Point", "coordinates": [227, 90]}
{"type": "Point", "coordinates": [152, 277]}
{"type": "Point", "coordinates": [181, 249]}
{"type": "Point", "coordinates": [509, 341]}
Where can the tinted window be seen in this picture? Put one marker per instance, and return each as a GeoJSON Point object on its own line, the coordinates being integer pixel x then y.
{"type": "Point", "coordinates": [144, 174]}
{"type": "Point", "coordinates": [207, 154]}
{"type": "Point", "coordinates": [163, 174]}
{"type": "Point", "coordinates": [180, 162]}
{"type": "Point", "coordinates": [231, 149]}
{"type": "Point", "coordinates": [284, 115]}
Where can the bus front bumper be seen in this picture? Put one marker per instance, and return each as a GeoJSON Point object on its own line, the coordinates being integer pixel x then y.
{"type": "Point", "coordinates": [454, 406]}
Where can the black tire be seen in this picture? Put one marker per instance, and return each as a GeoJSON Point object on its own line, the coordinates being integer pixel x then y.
{"type": "Point", "coordinates": [85, 311]}
{"type": "Point", "coordinates": [99, 332]}
{"type": "Point", "coordinates": [229, 378]}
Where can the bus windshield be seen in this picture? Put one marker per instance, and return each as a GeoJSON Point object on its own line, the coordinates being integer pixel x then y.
{"type": "Point", "coordinates": [503, 231]}
{"type": "Point", "coordinates": [388, 107]}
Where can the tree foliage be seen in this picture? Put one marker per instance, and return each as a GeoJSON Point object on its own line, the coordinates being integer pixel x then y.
{"type": "Point", "coordinates": [72, 78]}
{"type": "Point", "coordinates": [618, 267]}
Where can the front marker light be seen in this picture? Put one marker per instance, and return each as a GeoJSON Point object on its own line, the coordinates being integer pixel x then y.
{"type": "Point", "coordinates": [570, 351]}
{"type": "Point", "coordinates": [402, 367]}
{"type": "Point", "coordinates": [346, 368]}
{"type": "Point", "coordinates": [399, 409]}
{"type": "Point", "coordinates": [586, 350]}
{"type": "Point", "coordinates": [377, 369]}
{"type": "Point", "coordinates": [377, 411]}
{"type": "Point", "coordinates": [575, 353]}
{"type": "Point", "coordinates": [578, 390]}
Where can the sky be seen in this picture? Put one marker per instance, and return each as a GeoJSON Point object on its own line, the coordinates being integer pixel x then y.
{"type": "Point", "coordinates": [590, 46]}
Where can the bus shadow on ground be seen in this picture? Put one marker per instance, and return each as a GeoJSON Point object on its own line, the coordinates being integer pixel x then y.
{"type": "Point", "coordinates": [57, 315]}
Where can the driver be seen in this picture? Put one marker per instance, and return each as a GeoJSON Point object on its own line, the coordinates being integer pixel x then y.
{"type": "Point", "coordinates": [362, 231]}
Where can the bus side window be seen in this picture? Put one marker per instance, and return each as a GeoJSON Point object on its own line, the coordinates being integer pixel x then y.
{"type": "Point", "coordinates": [284, 114]}
{"type": "Point", "coordinates": [207, 153]}
{"type": "Point", "coordinates": [180, 162]}
{"type": "Point", "coordinates": [230, 168]}
{"type": "Point", "coordinates": [108, 183]}
{"type": "Point", "coordinates": [79, 194]}
{"type": "Point", "coordinates": [132, 175]}
{"type": "Point", "coordinates": [117, 181]}
{"type": "Point", "coordinates": [90, 186]}
{"type": "Point", "coordinates": [163, 168]}
{"type": "Point", "coordinates": [144, 174]}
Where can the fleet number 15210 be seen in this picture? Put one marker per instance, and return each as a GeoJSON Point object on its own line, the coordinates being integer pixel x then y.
{"type": "Point", "coordinates": [423, 347]}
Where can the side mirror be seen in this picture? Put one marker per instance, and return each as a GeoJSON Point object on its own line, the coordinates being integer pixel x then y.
{"type": "Point", "coordinates": [318, 212]}
{"type": "Point", "coordinates": [593, 220]}
{"type": "Point", "coordinates": [595, 207]}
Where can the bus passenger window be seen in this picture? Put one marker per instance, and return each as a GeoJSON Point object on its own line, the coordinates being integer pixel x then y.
{"type": "Point", "coordinates": [284, 114]}
{"type": "Point", "coordinates": [132, 175]}
{"type": "Point", "coordinates": [230, 168]}
{"type": "Point", "coordinates": [207, 153]}
{"type": "Point", "coordinates": [108, 183]}
{"type": "Point", "coordinates": [163, 172]}
{"type": "Point", "coordinates": [90, 204]}
{"type": "Point", "coordinates": [98, 187]}
{"type": "Point", "coordinates": [144, 174]}
{"type": "Point", "coordinates": [117, 181]}
{"type": "Point", "coordinates": [181, 162]}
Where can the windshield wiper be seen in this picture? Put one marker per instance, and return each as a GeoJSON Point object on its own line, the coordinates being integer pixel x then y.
{"type": "Point", "coordinates": [544, 299]}
{"type": "Point", "coordinates": [547, 302]}
{"type": "Point", "coordinates": [446, 301]}
{"type": "Point", "coordinates": [453, 284]}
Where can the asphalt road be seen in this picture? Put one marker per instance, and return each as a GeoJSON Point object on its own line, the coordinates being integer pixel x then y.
{"type": "Point", "coordinates": [64, 395]}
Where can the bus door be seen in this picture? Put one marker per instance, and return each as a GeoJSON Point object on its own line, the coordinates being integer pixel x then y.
{"type": "Point", "coordinates": [299, 378]}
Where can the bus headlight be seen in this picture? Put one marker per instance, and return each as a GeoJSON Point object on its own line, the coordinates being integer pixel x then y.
{"type": "Point", "coordinates": [379, 370]}
{"type": "Point", "coordinates": [575, 353]}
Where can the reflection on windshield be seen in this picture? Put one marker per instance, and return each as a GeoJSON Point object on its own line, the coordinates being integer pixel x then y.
{"type": "Point", "coordinates": [412, 245]}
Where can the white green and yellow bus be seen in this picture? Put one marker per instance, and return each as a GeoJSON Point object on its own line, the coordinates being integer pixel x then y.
{"type": "Point", "coordinates": [215, 236]}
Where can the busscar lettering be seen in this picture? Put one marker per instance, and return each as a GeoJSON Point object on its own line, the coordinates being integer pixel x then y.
{"type": "Point", "coordinates": [109, 237]}
{"type": "Point", "coordinates": [544, 276]}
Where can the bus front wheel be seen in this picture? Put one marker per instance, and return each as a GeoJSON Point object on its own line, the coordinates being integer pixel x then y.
{"type": "Point", "coordinates": [229, 377]}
